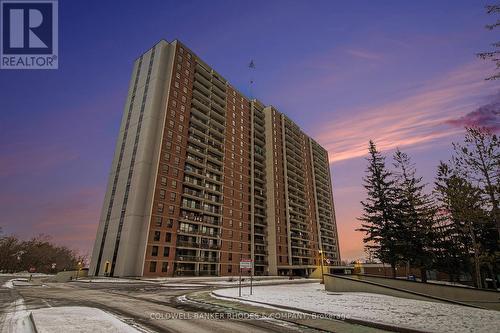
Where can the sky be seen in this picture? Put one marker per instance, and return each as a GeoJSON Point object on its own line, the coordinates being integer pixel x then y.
{"type": "Point", "coordinates": [403, 73]}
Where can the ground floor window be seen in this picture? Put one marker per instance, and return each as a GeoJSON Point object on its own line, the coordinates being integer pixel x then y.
{"type": "Point", "coordinates": [152, 266]}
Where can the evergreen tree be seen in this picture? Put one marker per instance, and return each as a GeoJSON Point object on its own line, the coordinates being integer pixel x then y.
{"type": "Point", "coordinates": [461, 204]}
{"type": "Point", "coordinates": [449, 252]}
{"type": "Point", "coordinates": [378, 218]}
{"type": "Point", "coordinates": [415, 213]}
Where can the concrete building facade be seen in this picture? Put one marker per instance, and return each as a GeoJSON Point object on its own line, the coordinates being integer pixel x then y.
{"type": "Point", "coordinates": [203, 177]}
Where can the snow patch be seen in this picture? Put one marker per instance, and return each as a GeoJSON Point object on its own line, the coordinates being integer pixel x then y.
{"type": "Point", "coordinates": [394, 311]}
{"type": "Point", "coordinates": [78, 319]}
{"type": "Point", "coordinates": [17, 318]}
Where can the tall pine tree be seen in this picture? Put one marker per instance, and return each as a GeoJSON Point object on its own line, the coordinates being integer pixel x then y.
{"type": "Point", "coordinates": [378, 219]}
{"type": "Point", "coordinates": [415, 215]}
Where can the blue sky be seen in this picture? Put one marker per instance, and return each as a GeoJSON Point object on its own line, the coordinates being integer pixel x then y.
{"type": "Point", "coordinates": [398, 72]}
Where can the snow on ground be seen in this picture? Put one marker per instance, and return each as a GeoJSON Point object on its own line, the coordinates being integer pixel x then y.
{"type": "Point", "coordinates": [78, 319]}
{"type": "Point", "coordinates": [205, 278]}
{"type": "Point", "coordinates": [16, 282]}
{"type": "Point", "coordinates": [183, 285]}
{"type": "Point", "coordinates": [21, 282]}
{"type": "Point", "coordinates": [8, 284]}
{"type": "Point", "coordinates": [17, 318]}
{"type": "Point", "coordinates": [395, 311]}
{"type": "Point", "coordinates": [192, 281]}
{"type": "Point", "coordinates": [456, 284]}
{"type": "Point", "coordinates": [110, 279]}
{"type": "Point", "coordinates": [26, 274]}
{"type": "Point", "coordinates": [247, 281]}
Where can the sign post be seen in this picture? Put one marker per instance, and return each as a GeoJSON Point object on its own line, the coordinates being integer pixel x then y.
{"type": "Point", "coordinates": [322, 271]}
{"type": "Point", "coordinates": [245, 265]}
{"type": "Point", "coordinates": [251, 280]}
{"type": "Point", "coordinates": [239, 290]}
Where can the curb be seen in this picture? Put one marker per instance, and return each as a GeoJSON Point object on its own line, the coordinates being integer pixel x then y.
{"type": "Point", "coordinates": [30, 316]}
{"type": "Point", "coordinates": [433, 298]}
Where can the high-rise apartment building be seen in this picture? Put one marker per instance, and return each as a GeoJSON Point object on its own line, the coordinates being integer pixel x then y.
{"type": "Point", "coordinates": [203, 177]}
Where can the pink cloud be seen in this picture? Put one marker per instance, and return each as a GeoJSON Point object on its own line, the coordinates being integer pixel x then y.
{"type": "Point", "coordinates": [415, 119]}
{"type": "Point", "coordinates": [487, 116]}
{"type": "Point", "coordinates": [364, 54]}
{"type": "Point", "coordinates": [70, 218]}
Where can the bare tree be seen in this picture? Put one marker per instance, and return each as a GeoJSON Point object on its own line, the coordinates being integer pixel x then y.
{"type": "Point", "coordinates": [493, 55]}
{"type": "Point", "coordinates": [38, 252]}
{"type": "Point", "coordinates": [478, 159]}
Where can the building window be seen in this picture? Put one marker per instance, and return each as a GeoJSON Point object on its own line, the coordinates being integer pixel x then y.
{"type": "Point", "coordinates": [159, 221]}
{"type": "Point", "coordinates": [166, 251]}
{"type": "Point", "coordinates": [172, 196]}
{"type": "Point", "coordinates": [164, 267]}
{"type": "Point", "coordinates": [168, 237]}
{"type": "Point", "coordinates": [154, 251]}
{"type": "Point", "coordinates": [230, 257]}
{"type": "Point", "coordinates": [229, 268]}
{"type": "Point", "coordinates": [171, 210]}
{"type": "Point", "coordinates": [157, 236]}
{"type": "Point", "coordinates": [152, 266]}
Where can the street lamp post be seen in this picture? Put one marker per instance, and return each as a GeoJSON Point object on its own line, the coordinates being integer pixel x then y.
{"type": "Point", "coordinates": [321, 260]}
{"type": "Point", "coordinates": [78, 269]}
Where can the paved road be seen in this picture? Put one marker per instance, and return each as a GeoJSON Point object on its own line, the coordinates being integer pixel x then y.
{"type": "Point", "coordinates": [135, 303]}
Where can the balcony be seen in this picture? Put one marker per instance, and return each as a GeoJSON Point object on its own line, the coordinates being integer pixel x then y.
{"type": "Point", "coordinates": [194, 193]}
{"type": "Point", "coordinates": [210, 246]}
{"type": "Point", "coordinates": [200, 104]}
{"type": "Point", "coordinates": [188, 244]}
{"type": "Point", "coordinates": [186, 258]}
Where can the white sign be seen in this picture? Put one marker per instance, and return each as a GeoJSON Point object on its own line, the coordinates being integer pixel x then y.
{"type": "Point", "coordinates": [246, 264]}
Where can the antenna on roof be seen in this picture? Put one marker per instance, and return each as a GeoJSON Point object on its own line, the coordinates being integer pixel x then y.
{"type": "Point", "coordinates": [251, 66]}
